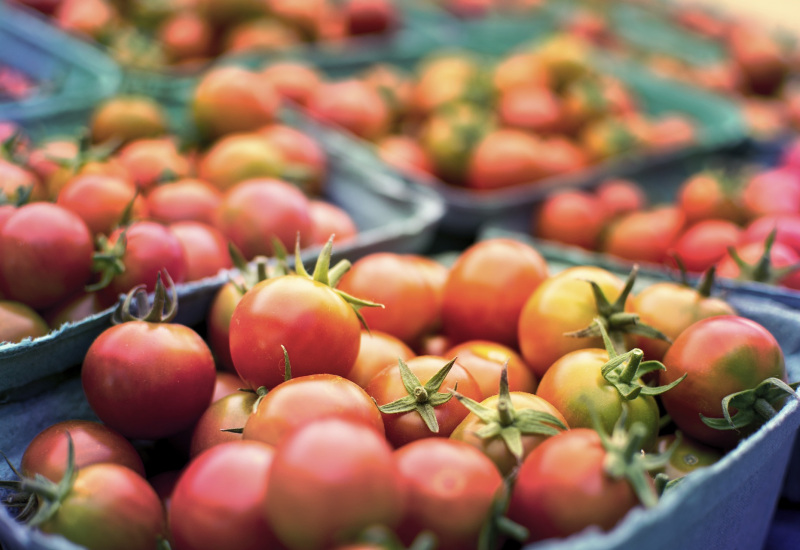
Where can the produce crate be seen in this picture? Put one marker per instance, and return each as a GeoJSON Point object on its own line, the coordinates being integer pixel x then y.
{"type": "Point", "coordinates": [390, 214]}
{"type": "Point", "coordinates": [727, 505]}
{"type": "Point", "coordinates": [719, 122]}
{"type": "Point", "coordinates": [68, 76]}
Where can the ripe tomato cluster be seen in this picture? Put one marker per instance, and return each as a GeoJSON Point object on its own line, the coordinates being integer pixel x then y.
{"type": "Point", "coordinates": [188, 33]}
{"type": "Point", "coordinates": [83, 221]}
{"type": "Point", "coordinates": [539, 418]}
{"type": "Point", "coordinates": [485, 124]}
{"type": "Point", "coordinates": [743, 223]}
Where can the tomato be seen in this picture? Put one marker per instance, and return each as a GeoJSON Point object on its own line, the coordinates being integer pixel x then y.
{"type": "Point", "coordinates": [219, 499]}
{"type": "Point", "coordinates": [620, 196]}
{"type": "Point", "coordinates": [109, 507]}
{"type": "Point", "coordinates": [505, 158]}
{"type": "Point", "coordinates": [45, 255]}
{"type": "Point", "coordinates": [775, 191]}
{"type": "Point", "coordinates": [404, 153]}
{"type": "Point", "coordinates": [721, 355]}
{"type": "Point", "coordinates": [238, 157]}
{"type": "Point", "coordinates": [485, 360]}
{"type": "Point", "coordinates": [486, 289]}
{"type": "Point", "coordinates": [671, 308]}
{"type": "Point", "coordinates": [151, 160]}
{"type": "Point", "coordinates": [759, 57]}
{"type": "Point", "coordinates": [13, 177]}
{"type": "Point", "coordinates": [520, 69]}
{"type": "Point", "coordinates": [205, 249]}
{"type": "Point", "coordinates": [787, 230]}
{"type": "Point", "coordinates": [708, 195]}
{"type": "Point", "coordinates": [442, 412]}
{"type": "Point", "coordinates": [645, 236]}
{"type": "Point", "coordinates": [371, 16]}
{"type": "Point", "coordinates": [126, 118]}
{"type": "Point", "coordinates": [218, 322]}
{"type": "Point", "coordinates": [149, 379]}
{"type": "Point", "coordinates": [562, 487]}
{"type": "Point", "coordinates": [93, 442]}
{"type": "Point", "coordinates": [575, 385]}
{"type": "Point", "coordinates": [301, 400]}
{"type": "Point", "coordinates": [185, 36]}
{"type": "Point", "coordinates": [452, 487]}
{"type": "Point", "coordinates": [571, 217]}
{"type": "Point", "coordinates": [227, 12]}
{"type": "Point", "coordinates": [18, 321]}
{"type": "Point", "coordinates": [411, 306]}
{"type": "Point", "coordinates": [671, 131]}
{"type": "Point", "coordinates": [442, 79]}
{"type": "Point", "coordinates": [100, 201]}
{"type": "Point", "coordinates": [304, 315]}
{"type": "Point", "coordinates": [533, 107]}
{"type": "Point", "coordinates": [781, 259]}
{"type": "Point", "coordinates": [150, 248]}
{"type": "Point", "coordinates": [241, 216]}
{"type": "Point", "coordinates": [377, 351]}
{"type": "Point", "coordinates": [307, 164]}
{"type": "Point", "coordinates": [706, 243]}
{"type": "Point", "coordinates": [330, 479]}
{"type": "Point", "coordinates": [562, 303]}
{"type": "Point", "coordinates": [77, 307]}
{"type": "Point", "coordinates": [394, 84]}
{"type": "Point", "coordinates": [88, 17]}
{"type": "Point", "coordinates": [229, 412]}
{"type": "Point", "coordinates": [688, 456]}
{"type": "Point", "coordinates": [329, 219]}
{"type": "Point", "coordinates": [294, 80]}
{"type": "Point", "coordinates": [187, 199]}
{"type": "Point", "coordinates": [352, 106]}
{"type": "Point", "coordinates": [232, 99]}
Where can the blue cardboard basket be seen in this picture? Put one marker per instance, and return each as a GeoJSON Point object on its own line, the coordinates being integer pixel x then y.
{"type": "Point", "coordinates": [71, 76]}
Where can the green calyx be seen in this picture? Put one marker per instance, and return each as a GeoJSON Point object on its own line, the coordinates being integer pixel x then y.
{"type": "Point", "coordinates": [498, 527]}
{"type": "Point", "coordinates": [624, 459]}
{"type": "Point", "coordinates": [625, 370]}
{"type": "Point", "coordinates": [421, 398]}
{"type": "Point", "coordinates": [259, 268]}
{"type": "Point", "coordinates": [107, 260]}
{"type": "Point", "coordinates": [615, 320]}
{"type": "Point", "coordinates": [330, 276]}
{"type": "Point", "coordinates": [22, 195]}
{"type": "Point", "coordinates": [386, 538]}
{"type": "Point", "coordinates": [754, 406]}
{"type": "Point", "coordinates": [762, 271]}
{"type": "Point", "coordinates": [507, 423]}
{"type": "Point", "coordinates": [705, 285]}
{"type": "Point", "coordinates": [163, 310]}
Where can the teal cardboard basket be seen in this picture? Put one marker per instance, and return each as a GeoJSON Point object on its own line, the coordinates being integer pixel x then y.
{"type": "Point", "coordinates": [69, 75]}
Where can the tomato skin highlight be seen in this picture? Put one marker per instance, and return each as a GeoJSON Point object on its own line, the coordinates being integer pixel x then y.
{"type": "Point", "coordinates": [562, 488]}
{"type": "Point", "coordinates": [320, 331]}
{"type": "Point", "coordinates": [330, 479]}
{"type": "Point", "coordinates": [148, 380]}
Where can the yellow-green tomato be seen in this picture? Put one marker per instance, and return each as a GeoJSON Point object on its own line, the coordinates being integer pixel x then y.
{"type": "Point", "coordinates": [495, 447]}
{"type": "Point", "coordinates": [689, 455]}
{"type": "Point", "coordinates": [575, 385]}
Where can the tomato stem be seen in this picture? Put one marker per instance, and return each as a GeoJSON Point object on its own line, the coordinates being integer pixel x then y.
{"type": "Point", "coordinates": [764, 408]}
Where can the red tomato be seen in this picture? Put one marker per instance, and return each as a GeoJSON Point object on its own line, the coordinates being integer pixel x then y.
{"type": "Point", "coordinates": [533, 107]}
{"type": "Point", "coordinates": [562, 488]}
{"type": "Point", "coordinates": [148, 380]}
{"type": "Point", "coordinates": [151, 160]}
{"type": "Point", "coordinates": [93, 442]}
{"type": "Point", "coordinates": [13, 177]}
{"type": "Point", "coordinates": [307, 162]}
{"type": "Point", "coordinates": [378, 350]}
{"type": "Point", "coordinates": [238, 157]}
{"type": "Point", "coordinates": [722, 355]}
{"type": "Point", "coordinates": [330, 479]}
{"type": "Point", "coordinates": [780, 257]}
{"type": "Point", "coordinates": [645, 236]}
{"type": "Point", "coordinates": [218, 324]}
{"type": "Point", "coordinates": [230, 412]}
{"type": "Point", "coordinates": [411, 306]}
{"type": "Point", "coordinates": [707, 195]}
{"type": "Point", "coordinates": [18, 321]}
{"type": "Point", "coordinates": [110, 507]}
{"type": "Point", "coordinates": [100, 201]}
{"type": "Point", "coordinates": [219, 499]}
{"type": "Point", "coordinates": [184, 36]}
{"type": "Point", "coordinates": [45, 255]}
{"type": "Point", "coordinates": [401, 428]}
{"type": "Point", "coordinates": [787, 229]}
{"type": "Point", "coordinates": [706, 243]}
{"type": "Point", "coordinates": [404, 153]}
{"type": "Point", "coordinates": [318, 328]}
{"type": "Point", "coordinates": [353, 106]}
{"type": "Point", "coordinates": [294, 80]}
{"type": "Point", "coordinates": [232, 99]}
{"type": "Point", "coordinates": [226, 384]}
{"type": "Point", "coordinates": [486, 289]}
{"type": "Point", "coordinates": [205, 249]}
{"type": "Point", "coordinates": [241, 216]}
{"type": "Point", "coordinates": [571, 217]}
{"type": "Point", "coordinates": [370, 16]}
{"type": "Point", "coordinates": [505, 158]}
{"type": "Point", "coordinates": [184, 200]}
{"type": "Point", "coordinates": [620, 196]}
{"type": "Point", "coordinates": [520, 69]}
{"type": "Point", "coordinates": [329, 219]}
{"type": "Point", "coordinates": [485, 360]}
{"type": "Point", "coordinates": [775, 191]}
{"type": "Point", "coordinates": [452, 486]}
{"type": "Point", "coordinates": [301, 400]}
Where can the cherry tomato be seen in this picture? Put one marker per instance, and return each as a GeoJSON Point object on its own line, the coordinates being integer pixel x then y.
{"type": "Point", "coordinates": [238, 157]}
{"type": "Point", "coordinates": [780, 257]}
{"type": "Point", "coordinates": [505, 158]}
{"type": "Point", "coordinates": [205, 249]}
{"type": "Point", "coordinates": [620, 196]}
{"type": "Point", "coordinates": [787, 229]}
{"type": "Point", "coordinates": [303, 154]}
{"type": "Point", "coordinates": [229, 412]}
{"type": "Point", "coordinates": [688, 456]}
{"type": "Point", "coordinates": [707, 195]}
{"type": "Point", "coordinates": [706, 243]}
{"type": "Point", "coordinates": [377, 351]}
{"type": "Point", "coordinates": [18, 321]}
{"type": "Point", "coordinates": [571, 217]}
{"type": "Point", "coordinates": [184, 200]}
{"type": "Point", "coordinates": [645, 236]}
{"type": "Point", "coordinates": [100, 201]}
{"type": "Point", "coordinates": [452, 486]}
{"type": "Point", "coordinates": [293, 80]}
{"type": "Point", "coordinates": [485, 360]}
{"type": "Point", "coordinates": [330, 479]}
{"type": "Point", "coordinates": [352, 105]}
{"type": "Point", "coordinates": [219, 499]}
{"type": "Point", "coordinates": [127, 117]}
{"type": "Point", "coordinates": [93, 442]}
{"type": "Point", "coordinates": [329, 219]}
{"type": "Point", "coordinates": [486, 289]}
{"type": "Point", "coordinates": [151, 160]}
{"type": "Point", "coordinates": [775, 191]}
{"type": "Point", "coordinates": [218, 322]}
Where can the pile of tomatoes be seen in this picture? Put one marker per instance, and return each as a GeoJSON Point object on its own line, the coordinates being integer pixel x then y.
{"type": "Point", "coordinates": [724, 219]}
{"type": "Point", "coordinates": [186, 33]}
{"type": "Point", "coordinates": [488, 402]}
{"type": "Point", "coordinates": [105, 213]}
